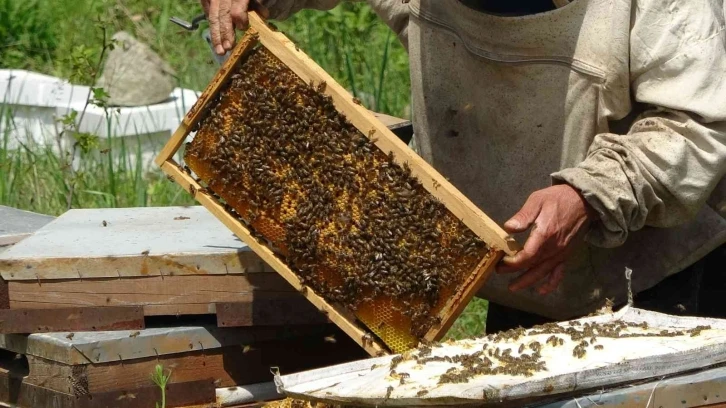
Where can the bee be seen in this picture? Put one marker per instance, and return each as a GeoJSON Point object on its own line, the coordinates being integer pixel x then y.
{"type": "Point", "coordinates": [104, 223]}
{"type": "Point", "coordinates": [70, 336]}
{"type": "Point", "coordinates": [134, 334]}
{"type": "Point", "coordinates": [389, 391]}
{"type": "Point", "coordinates": [395, 361]}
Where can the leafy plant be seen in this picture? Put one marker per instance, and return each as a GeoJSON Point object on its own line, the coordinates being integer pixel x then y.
{"type": "Point", "coordinates": [161, 378]}
{"type": "Point", "coordinates": [27, 37]}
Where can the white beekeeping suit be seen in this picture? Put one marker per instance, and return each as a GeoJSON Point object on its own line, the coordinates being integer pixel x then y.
{"type": "Point", "coordinates": [625, 100]}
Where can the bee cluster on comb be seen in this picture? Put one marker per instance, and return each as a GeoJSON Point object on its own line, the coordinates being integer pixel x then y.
{"type": "Point", "coordinates": [329, 197]}
{"type": "Point", "coordinates": [351, 223]}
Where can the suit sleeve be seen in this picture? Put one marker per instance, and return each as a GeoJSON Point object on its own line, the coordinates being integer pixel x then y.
{"type": "Point", "coordinates": [663, 170]}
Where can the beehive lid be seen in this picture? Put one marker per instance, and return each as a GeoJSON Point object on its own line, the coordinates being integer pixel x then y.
{"type": "Point", "coordinates": [650, 345]}
{"type": "Point", "coordinates": [118, 242]}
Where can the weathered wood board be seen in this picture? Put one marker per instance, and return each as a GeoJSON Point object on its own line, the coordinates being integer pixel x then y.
{"type": "Point", "coordinates": [78, 348]}
{"type": "Point", "coordinates": [129, 242]}
{"type": "Point", "coordinates": [18, 391]}
{"type": "Point", "coordinates": [694, 390]}
{"type": "Point", "coordinates": [522, 367]}
{"type": "Point", "coordinates": [15, 225]}
{"type": "Point", "coordinates": [71, 318]}
{"type": "Point", "coordinates": [169, 295]}
{"type": "Point", "coordinates": [170, 261]}
{"type": "Point", "coordinates": [95, 366]}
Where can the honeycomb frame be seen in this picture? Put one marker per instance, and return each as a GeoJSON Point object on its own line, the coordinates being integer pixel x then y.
{"type": "Point", "coordinates": [281, 47]}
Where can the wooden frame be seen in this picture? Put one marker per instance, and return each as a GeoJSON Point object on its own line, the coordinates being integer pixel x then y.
{"type": "Point", "coordinates": [280, 46]}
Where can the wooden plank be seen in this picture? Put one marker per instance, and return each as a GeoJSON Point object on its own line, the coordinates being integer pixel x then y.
{"type": "Point", "coordinates": [134, 242]}
{"type": "Point", "coordinates": [361, 118]}
{"type": "Point", "coordinates": [79, 348]}
{"type": "Point", "coordinates": [133, 375]}
{"type": "Point", "coordinates": [15, 391]}
{"type": "Point", "coordinates": [336, 314]}
{"type": "Point", "coordinates": [71, 319]}
{"type": "Point", "coordinates": [244, 45]}
{"type": "Point", "coordinates": [226, 366]}
{"type": "Point", "coordinates": [268, 310]}
{"type": "Point", "coordinates": [158, 295]}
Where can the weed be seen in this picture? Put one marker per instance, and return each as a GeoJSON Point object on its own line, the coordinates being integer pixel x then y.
{"type": "Point", "coordinates": [161, 378]}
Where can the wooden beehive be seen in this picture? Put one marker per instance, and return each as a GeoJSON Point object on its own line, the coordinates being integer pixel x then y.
{"type": "Point", "coordinates": [331, 199]}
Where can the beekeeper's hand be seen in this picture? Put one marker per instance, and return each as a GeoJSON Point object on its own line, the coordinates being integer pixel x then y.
{"type": "Point", "coordinates": [226, 15]}
{"type": "Point", "coordinates": [558, 217]}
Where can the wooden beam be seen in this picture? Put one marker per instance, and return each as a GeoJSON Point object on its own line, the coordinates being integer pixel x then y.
{"type": "Point", "coordinates": [158, 295]}
{"type": "Point", "coordinates": [71, 319]}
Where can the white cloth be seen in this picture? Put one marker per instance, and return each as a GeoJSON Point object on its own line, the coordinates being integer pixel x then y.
{"type": "Point", "coordinates": [505, 106]}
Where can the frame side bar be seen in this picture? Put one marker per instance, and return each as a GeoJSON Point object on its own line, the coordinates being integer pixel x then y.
{"type": "Point", "coordinates": [245, 44]}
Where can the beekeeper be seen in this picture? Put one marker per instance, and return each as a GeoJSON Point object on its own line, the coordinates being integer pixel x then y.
{"type": "Point", "coordinates": [605, 120]}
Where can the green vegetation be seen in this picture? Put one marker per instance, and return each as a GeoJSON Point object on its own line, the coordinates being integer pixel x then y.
{"type": "Point", "coordinates": [67, 38]}
{"type": "Point", "coordinates": [161, 378]}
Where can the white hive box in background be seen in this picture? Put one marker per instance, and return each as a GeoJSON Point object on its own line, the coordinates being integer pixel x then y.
{"type": "Point", "coordinates": [32, 103]}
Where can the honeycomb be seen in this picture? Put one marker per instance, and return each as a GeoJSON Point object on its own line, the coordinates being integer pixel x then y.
{"type": "Point", "coordinates": [351, 223]}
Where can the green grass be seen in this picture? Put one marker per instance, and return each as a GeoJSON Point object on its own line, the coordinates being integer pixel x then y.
{"type": "Point", "coordinates": [65, 38]}
{"type": "Point", "coordinates": [472, 321]}
{"type": "Point", "coordinates": [349, 42]}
